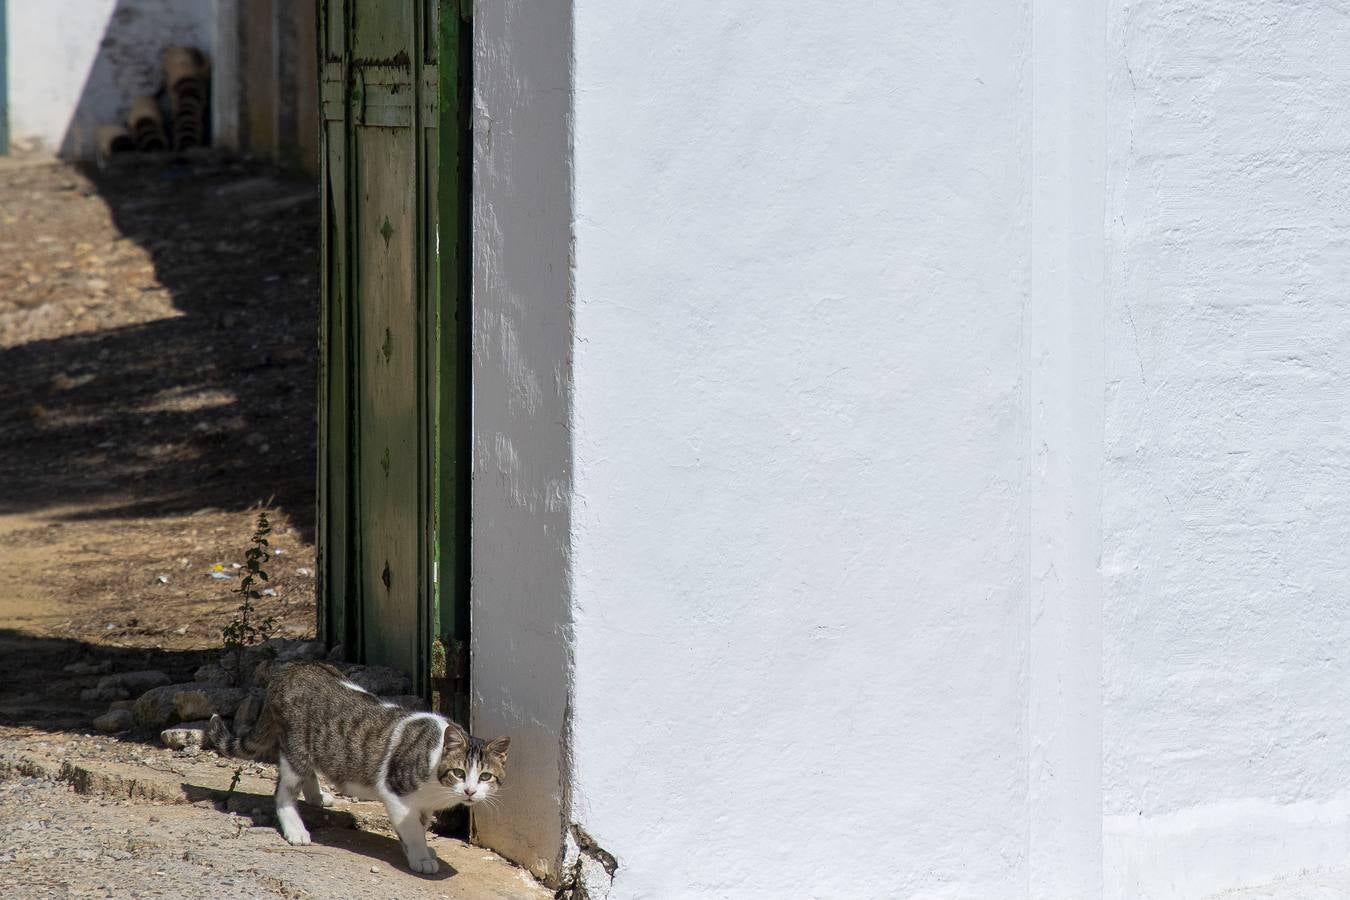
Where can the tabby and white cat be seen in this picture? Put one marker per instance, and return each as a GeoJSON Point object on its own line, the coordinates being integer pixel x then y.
{"type": "Point", "coordinates": [314, 722]}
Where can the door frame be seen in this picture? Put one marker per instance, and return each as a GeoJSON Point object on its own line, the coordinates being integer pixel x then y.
{"type": "Point", "coordinates": [452, 441]}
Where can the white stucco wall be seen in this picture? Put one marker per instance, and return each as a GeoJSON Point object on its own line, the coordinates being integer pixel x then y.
{"type": "Point", "coordinates": [1227, 680]}
{"type": "Point", "coordinates": [798, 448]}
{"type": "Point", "coordinates": [829, 377]}
{"type": "Point", "coordinates": [787, 423]}
{"type": "Point", "coordinates": [76, 64]}
{"type": "Point", "coordinates": [955, 501]}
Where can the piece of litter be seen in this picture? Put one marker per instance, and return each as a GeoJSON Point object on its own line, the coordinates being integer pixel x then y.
{"type": "Point", "coordinates": [303, 571]}
{"type": "Point", "coordinates": [162, 579]}
{"type": "Point", "coordinates": [374, 869]}
{"type": "Point", "coordinates": [269, 592]}
{"type": "Point", "coordinates": [236, 565]}
{"type": "Point", "coordinates": [220, 576]}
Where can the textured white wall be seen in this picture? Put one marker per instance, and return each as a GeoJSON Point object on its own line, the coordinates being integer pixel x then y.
{"type": "Point", "coordinates": [854, 418]}
{"type": "Point", "coordinates": [1227, 680]}
{"type": "Point", "coordinates": [76, 64]}
{"type": "Point", "coordinates": [1065, 408]}
{"type": "Point", "coordinates": [806, 585]}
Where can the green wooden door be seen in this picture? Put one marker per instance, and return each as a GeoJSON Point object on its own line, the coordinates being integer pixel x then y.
{"type": "Point", "coordinates": [392, 519]}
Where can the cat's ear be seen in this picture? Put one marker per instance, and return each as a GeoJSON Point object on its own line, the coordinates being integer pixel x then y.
{"type": "Point", "coordinates": [455, 736]}
{"type": "Point", "coordinates": [498, 747]}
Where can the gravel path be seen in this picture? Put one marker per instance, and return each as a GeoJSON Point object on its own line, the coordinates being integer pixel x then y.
{"type": "Point", "coordinates": [56, 843]}
{"type": "Point", "coordinates": [59, 845]}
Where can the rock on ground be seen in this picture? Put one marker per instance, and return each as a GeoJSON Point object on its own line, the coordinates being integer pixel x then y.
{"type": "Point", "coordinates": [115, 720]}
{"type": "Point", "coordinates": [212, 673]}
{"type": "Point", "coordinates": [162, 705]}
{"type": "Point", "coordinates": [135, 682]}
{"type": "Point", "coordinates": [187, 736]}
{"type": "Point", "coordinates": [125, 684]}
{"type": "Point", "coordinates": [204, 701]}
{"type": "Point", "coordinates": [89, 668]}
{"type": "Point", "coordinates": [288, 651]}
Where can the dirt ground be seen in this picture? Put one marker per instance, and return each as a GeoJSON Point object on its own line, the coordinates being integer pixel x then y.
{"type": "Point", "coordinates": [157, 372]}
{"type": "Point", "coordinates": [157, 389]}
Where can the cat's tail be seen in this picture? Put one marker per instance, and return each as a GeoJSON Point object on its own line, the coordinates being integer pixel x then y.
{"type": "Point", "coordinates": [258, 742]}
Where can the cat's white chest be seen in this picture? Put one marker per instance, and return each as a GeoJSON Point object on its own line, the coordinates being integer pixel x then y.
{"type": "Point", "coordinates": [432, 796]}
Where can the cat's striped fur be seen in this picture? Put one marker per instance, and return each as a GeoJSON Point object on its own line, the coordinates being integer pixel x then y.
{"type": "Point", "coordinates": [314, 722]}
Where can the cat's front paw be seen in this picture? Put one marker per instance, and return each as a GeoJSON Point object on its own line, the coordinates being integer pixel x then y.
{"type": "Point", "coordinates": [296, 837]}
{"type": "Point", "coordinates": [326, 799]}
{"type": "Point", "coordinates": [427, 865]}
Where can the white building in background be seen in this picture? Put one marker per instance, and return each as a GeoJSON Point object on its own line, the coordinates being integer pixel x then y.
{"type": "Point", "coordinates": [73, 65]}
{"type": "Point", "coordinates": [76, 64]}
{"type": "Point", "coordinates": [919, 431]}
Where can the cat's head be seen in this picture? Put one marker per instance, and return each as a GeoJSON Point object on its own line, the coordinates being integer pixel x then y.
{"type": "Point", "coordinates": [472, 768]}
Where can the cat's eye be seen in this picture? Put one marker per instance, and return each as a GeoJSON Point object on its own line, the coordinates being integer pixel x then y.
{"type": "Point", "coordinates": [486, 776]}
{"type": "Point", "coordinates": [458, 773]}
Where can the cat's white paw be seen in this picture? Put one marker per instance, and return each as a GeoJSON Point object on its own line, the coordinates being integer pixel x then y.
{"type": "Point", "coordinates": [427, 865]}
{"type": "Point", "coordinates": [326, 799]}
{"type": "Point", "coordinates": [297, 837]}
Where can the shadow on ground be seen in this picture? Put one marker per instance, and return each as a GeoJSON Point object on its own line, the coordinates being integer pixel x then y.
{"type": "Point", "coordinates": [328, 827]}
{"type": "Point", "coordinates": [210, 403]}
{"type": "Point", "coordinates": [37, 692]}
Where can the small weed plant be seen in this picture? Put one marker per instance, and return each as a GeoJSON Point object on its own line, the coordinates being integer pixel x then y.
{"type": "Point", "coordinates": [234, 783]}
{"type": "Point", "coordinates": [248, 627]}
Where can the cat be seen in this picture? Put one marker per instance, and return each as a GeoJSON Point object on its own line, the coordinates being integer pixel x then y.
{"type": "Point", "coordinates": [314, 722]}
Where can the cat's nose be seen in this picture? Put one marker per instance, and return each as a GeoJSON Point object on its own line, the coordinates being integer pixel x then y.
{"type": "Point", "coordinates": [469, 792]}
